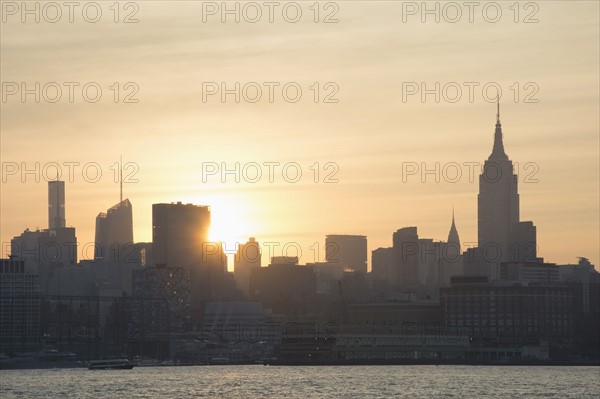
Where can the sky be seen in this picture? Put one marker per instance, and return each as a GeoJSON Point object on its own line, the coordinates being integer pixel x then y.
{"type": "Point", "coordinates": [342, 96]}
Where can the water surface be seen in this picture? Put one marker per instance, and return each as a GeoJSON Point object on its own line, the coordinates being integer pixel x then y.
{"type": "Point", "coordinates": [306, 382]}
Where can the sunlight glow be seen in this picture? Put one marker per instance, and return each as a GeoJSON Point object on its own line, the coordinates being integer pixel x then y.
{"type": "Point", "coordinates": [231, 220]}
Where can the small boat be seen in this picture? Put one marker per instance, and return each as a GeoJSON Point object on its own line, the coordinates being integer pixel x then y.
{"type": "Point", "coordinates": [110, 364]}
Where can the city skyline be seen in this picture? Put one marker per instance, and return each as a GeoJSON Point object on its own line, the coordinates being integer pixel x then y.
{"type": "Point", "coordinates": [412, 185]}
{"type": "Point", "coordinates": [552, 128]}
{"type": "Point", "coordinates": [317, 252]}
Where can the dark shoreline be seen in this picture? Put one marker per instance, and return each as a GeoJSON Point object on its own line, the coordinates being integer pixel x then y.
{"type": "Point", "coordinates": [580, 363]}
{"type": "Point", "coordinates": [436, 363]}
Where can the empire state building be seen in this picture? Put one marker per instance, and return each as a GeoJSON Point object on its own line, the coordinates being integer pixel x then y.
{"type": "Point", "coordinates": [501, 236]}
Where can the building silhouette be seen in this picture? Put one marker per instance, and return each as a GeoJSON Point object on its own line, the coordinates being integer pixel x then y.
{"type": "Point", "coordinates": [19, 307]}
{"type": "Point", "coordinates": [429, 257]}
{"type": "Point", "coordinates": [498, 201]}
{"type": "Point", "coordinates": [212, 282]}
{"type": "Point", "coordinates": [143, 251]}
{"type": "Point", "coordinates": [529, 272]}
{"type": "Point", "coordinates": [350, 251]}
{"type": "Point", "coordinates": [451, 262]}
{"type": "Point", "coordinates": [47, 252]}
{"type": "Point", "coordinates": [382, 261]}
{"type": "Point", "coordinates": [501, 235]}
{"type": "Point", "coordinates": [284, 286]}
{"type": "Point", "coordinates": [584, 281]}
{"type": "Point", "coordinates": [180, 239]}
{"type": "Point", "coordinates": [504, 318]}
{"type": "Point", "coordinates": [424, 299]}
{"type": "Point", "coordinates": [405, 272]}
{"type": "Point", "coordinates": [247, 258]}
{"type": "Point", "coordinates": [453, 239]}
{"type": "Point", "coordinates": [114, 249]}
{"type": "Point", "coordinates": [161, 300]}
{"type": "Point", "coordinates": [179, 233]}
{"type": "Point", "coordinates": [56, 204]}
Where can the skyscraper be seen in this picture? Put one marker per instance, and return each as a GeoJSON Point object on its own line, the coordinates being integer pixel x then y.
{"type": "Point", "coordinates": [451, 262]}
{"type": "Point", "coordinates": [405, 272]}
{"type": "Point", "coordinates": [348, 251]}
{"type": "Point", "coordinates": [179, 232]}
{"type": "Point", "coordinates": [248, 257]}
{"type": "Point", "coordinates": [114, 231]}
{"type": "Point", "coordinates": [453, 239]}
{"type": "Point", "coordinates": [19, 307]}
{"type": "Point", "coordinates": [47, 251]}
{"type": "Point", "coordinates": [56, 204]}
{"type": "Point", "coordinates": [180, 239]}
{"type": "Point", "coordinates": [100, 238]}
{"type": "Point", "coordinates": [114, 244]}
{"type": "Point", "coordinates": [501, 235]}
{"type": "Point", "coordinates": [498, 202]}
{"type": "Point", "coordinates": [382, 263]}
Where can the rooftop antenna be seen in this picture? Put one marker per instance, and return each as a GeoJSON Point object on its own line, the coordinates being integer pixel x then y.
{"type": "Point", "coordinates": [498, 108]}
{"type": "Point", "coordinates": [121, 178]}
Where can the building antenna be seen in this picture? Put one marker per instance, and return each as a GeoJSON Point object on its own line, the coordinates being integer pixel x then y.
{"type": "Point", "coordinates": [498, 108]}
{"type": "Point", "coordinates": [121, 178]}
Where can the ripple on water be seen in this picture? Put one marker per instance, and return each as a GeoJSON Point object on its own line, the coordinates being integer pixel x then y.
{"type": "Point", "coordinates": [301, 382]}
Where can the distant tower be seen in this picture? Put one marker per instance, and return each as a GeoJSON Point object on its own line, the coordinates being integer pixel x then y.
{"type": "Point", "coordinates": [451, 262]}
{"type": "Point", "coordinates": [114, 241]}
{"type": "Point", "coordinates": [406, 258]}
{"type": "Point", "coordinates": [56, 204]}
{"type": "Point", "coordinates": [180, 234]}
{"type": "Point", "coordinates": [114, 229]}
{"type": "Point", "coordinates": [453, 237]}
{"type": "Point", "coordinates": [247, 258]}
{"type": "Point", "coordinates": [347, 251]}
{"type": "Point", "coordinates": [101, 236]}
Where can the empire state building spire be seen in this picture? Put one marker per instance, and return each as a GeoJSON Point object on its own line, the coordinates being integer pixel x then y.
{"type": "Point", "coordinates": [498, 203]}
{"type": "Point", "coordinates": [498, 150]}
{"type": "Point", "coordinates": [498, 111]}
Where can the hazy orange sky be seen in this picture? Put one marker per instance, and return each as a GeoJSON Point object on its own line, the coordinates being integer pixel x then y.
{"type": "Point", "coordinates": [369, 133]}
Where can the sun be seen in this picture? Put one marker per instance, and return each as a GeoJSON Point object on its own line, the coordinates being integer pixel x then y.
{"type": "Point", "coordinates": [232, 220]}
{"type": "Point", "coordinates": [229, 223]}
